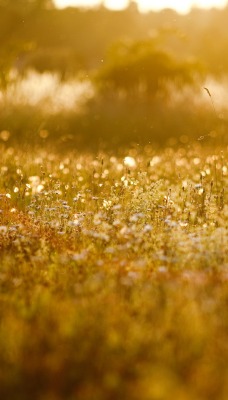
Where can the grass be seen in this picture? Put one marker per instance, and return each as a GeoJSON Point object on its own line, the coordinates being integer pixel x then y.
{"type": "Point", "coordinates": [114, 275]}
{"type": "Point", "coordinates": [65, 114]}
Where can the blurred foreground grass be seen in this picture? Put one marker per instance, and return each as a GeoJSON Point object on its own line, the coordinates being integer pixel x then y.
{"type": "Point", "coordinates": [114, 275]}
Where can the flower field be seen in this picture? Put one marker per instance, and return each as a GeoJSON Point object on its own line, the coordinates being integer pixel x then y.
{"type": "Point", "coordinates": [114, 275]}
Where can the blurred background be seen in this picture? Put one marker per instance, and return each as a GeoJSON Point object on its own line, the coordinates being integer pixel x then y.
{"type": "Point", "coordinates": [92, 74]}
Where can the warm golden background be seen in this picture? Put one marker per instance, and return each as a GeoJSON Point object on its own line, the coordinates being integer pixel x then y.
{"type": "Point", "coordinates": [94, 75]}
{"type": "Point", "coordinates": [113, 203]}
{"type": "Point", "coordinates": [144, 5]}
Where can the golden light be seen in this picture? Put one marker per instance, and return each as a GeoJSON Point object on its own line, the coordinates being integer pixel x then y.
{"type": "Point", "coordinates": [182, 6]}
{"type": "Point", "coordinates": [79, 3]}
{"type": "Point", "coordinates": [116, 4]}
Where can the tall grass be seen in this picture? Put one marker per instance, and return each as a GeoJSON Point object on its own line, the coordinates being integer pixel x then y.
{"type": "Point", "coordinates": [113, 274]}
{"type": "Point", "coordinates": [40, 109]}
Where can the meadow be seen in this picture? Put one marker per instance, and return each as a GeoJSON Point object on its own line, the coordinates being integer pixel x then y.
{"type": "Point", "coordinates": [113, 203]}
{"type": "Point", "coordinates": [114, 273]}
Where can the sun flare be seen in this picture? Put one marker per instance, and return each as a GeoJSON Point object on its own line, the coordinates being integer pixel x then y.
{"type": "Point", "coordinates": [180, 6]}
{"type": "Point", "coordinates": [145, 5]}
{"type": "Point", "coordinates": [82, 3]}
{"type": "Point", "coordinates": [116, 4]}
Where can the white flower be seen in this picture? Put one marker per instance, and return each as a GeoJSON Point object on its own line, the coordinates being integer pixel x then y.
{"type": "Point", "coordinates": [129, 162]}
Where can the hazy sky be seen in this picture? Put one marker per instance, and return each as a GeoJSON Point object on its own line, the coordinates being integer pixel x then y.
{"type": "Point", "coordinates": [144, 5]}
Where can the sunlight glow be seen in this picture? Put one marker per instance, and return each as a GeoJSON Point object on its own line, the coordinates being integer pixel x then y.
{"type": "Point", "coordinates": [182, 6]}
{"type": "Point", "coordinates": [116, 4]}
{"type": "Point", "coordinates": [79, 3]}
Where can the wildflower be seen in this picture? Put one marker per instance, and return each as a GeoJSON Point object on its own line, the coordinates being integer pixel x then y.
{"type": "Point", "coordinates": [3, 229]}
{"type": "Point", "coordinates": [155, 160]}
{"type": "Point", "coordinates": [107, 204]}
{"type": "Point", "coordinates": [147, 228]}
{"type": "Point", "coordinates": [80, 256]}
{"type": "Point", "coordinates": [129, 162]}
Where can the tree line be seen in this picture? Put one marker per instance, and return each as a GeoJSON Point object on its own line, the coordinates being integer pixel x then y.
{"type": "Point", "coordinates": [33, 34]}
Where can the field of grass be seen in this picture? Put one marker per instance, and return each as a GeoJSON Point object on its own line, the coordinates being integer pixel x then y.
{"type": "Point", "coordinates": [114, 274]}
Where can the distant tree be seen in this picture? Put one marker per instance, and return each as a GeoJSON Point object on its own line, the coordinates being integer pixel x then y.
{"type": "Point", "coordinates": [7, 60]}
{"type": "Point", "coordinates": [140, 69]}
{"type": "Point", "coordinates": [25, 6]}
{"type": "Point", "coordinates": [14, 11]}
{"type": "Point", "coordinates": [4, 72]}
